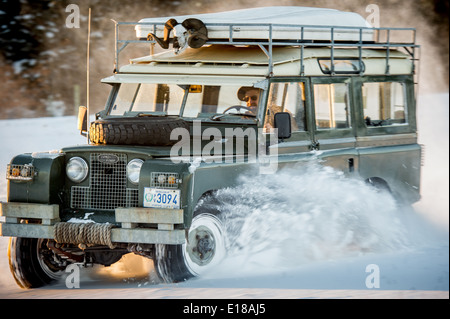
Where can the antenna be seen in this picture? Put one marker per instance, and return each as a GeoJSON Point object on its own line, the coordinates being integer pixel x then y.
{"type": "Point", "coordinates": [87, 75]}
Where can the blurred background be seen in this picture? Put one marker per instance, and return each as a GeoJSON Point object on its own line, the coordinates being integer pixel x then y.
{"type": "Point", "coordinates": [43, 62]}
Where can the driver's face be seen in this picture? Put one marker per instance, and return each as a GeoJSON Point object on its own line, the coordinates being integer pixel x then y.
{"type": "Point", "coordinates": [252, 98]}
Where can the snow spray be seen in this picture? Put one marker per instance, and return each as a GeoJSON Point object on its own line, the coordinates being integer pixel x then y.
{"type": "Point", "coordinates": [304, 214]}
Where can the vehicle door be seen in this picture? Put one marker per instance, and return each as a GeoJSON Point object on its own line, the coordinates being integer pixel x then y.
{"type": "Point", "coordinates": [290, 95]}
{"type": "Point", "coordinates": [333, 129]}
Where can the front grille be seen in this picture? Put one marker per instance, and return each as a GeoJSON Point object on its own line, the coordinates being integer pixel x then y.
{"type": "Point", "coordinates": [107, 185]}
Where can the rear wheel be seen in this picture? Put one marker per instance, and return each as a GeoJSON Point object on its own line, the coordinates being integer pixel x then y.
{"type": "Point", "coordinates": [379, 184]}
{"type": "Point", "coordinates": [32, 263]}
{"type": "Point", "coordinates": [204, 250]}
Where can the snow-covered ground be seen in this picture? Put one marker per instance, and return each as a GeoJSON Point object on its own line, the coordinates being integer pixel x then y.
{"type": "Point", "coordinates": [312, 255]}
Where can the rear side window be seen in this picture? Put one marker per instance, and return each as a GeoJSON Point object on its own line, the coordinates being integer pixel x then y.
{"type": "Point", "coordinates": [332, 106]}
{"type": "Point", "coordinates": [384, 104]}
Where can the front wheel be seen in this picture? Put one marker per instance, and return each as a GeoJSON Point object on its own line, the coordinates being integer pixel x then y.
{"type": "Point", "coordinates": [205, 249]}
{"type": "Point", "coordinates": [32, 263]}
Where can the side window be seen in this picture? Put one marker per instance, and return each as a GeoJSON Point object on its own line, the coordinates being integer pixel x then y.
{"type": "Point", "coordinates": [287, 97]}
{"type": "Point", "coordinates": [332, 106]}
{"type": "Point", "coordinates": [384, 103]}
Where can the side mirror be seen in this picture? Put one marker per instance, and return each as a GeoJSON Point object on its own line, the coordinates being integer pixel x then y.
{"type": "Point", "coordinates": [282, 122]}
{"type": "Point", "coordinates": [82, 120]}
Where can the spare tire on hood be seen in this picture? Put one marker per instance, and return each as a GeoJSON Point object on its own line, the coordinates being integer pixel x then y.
{"type": "Point", "coordinates": [151, 131]}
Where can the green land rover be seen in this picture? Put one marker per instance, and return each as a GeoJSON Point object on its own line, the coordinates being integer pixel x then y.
{"type": "Point", "coordinates": [226, 96]}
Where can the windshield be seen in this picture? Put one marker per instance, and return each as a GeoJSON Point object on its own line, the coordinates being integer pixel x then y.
{"type": "Point", "coordinates": [185, 100]}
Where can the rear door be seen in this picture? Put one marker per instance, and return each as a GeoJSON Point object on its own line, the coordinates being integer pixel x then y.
{"type": "Point", "coordinates": [333, 116]}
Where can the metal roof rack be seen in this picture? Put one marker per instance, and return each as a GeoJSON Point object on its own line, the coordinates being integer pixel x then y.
{"type": "Point", "coordinates": [381, 38]}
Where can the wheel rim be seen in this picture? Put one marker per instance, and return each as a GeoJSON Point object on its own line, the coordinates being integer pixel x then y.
{"type": "Point", "coordinates": [43, 256]}
{"type": "Point", "coordinates": [206, 244]}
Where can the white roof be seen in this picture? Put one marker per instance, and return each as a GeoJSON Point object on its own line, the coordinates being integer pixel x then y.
{"type": "Point", "coordinates": [252, 62]}
{"type": "Point", "coordinates": [255, 56]}
{"type": "Point", "coordinates": [286, 15]}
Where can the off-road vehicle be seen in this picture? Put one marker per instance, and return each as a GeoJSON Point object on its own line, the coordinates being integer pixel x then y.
{"type": "Point", "coordinates": [244, 92]}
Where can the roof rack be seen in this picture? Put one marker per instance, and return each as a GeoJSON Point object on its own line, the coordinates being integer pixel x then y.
{"type": "Point", "coordinates": [361, 38]}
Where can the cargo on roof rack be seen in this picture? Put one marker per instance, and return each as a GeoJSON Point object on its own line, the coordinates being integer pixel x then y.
{"type": "Point", "coordinates": [270, 27]}
{"type": "Point", "coordinates": [281, 23]}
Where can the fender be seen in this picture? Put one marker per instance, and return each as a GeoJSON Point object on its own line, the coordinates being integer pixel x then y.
{"type": "Point", "coordinates": [47, 182]}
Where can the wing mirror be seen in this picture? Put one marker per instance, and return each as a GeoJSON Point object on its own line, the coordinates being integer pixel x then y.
{"type": "Point", "coordinates": [282, 122]}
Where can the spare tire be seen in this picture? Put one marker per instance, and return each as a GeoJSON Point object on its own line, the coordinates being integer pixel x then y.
{"type": "Point", "coordinates": [151, 131]}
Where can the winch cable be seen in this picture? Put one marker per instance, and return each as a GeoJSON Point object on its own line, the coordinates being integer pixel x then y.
{"type": "Point", "coordinates": [83, 234]}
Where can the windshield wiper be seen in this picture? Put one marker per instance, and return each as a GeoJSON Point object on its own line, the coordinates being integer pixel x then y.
{"type": "Point", "coordinates": [217, 117]}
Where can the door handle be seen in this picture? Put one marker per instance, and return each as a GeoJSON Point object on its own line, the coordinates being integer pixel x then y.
{"type": "Point", "coordinates": [351, 165]}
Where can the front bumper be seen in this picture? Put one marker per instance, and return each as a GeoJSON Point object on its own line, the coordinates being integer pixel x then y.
{"type": "Point", "coordinates": [137, 225]}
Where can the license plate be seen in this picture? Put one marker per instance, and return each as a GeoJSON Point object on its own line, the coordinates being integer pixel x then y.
{"type": "Point", "coordinates": [161, 198]}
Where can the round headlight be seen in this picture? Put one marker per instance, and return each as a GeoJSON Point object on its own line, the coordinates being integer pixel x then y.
{"type": "Point", "coordinates": [77, 169]}
{"type": "Point", "coordinates": [134, 170]}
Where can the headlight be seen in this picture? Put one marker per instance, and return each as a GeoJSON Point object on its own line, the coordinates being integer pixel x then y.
{"type": "Point", "coordinates": [77, 169]}
{"type": "Point", "coordinates": [134, 170]}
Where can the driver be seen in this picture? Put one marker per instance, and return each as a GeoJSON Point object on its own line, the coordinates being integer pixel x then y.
{"type": "Point", "coordinates": [250, 95]}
